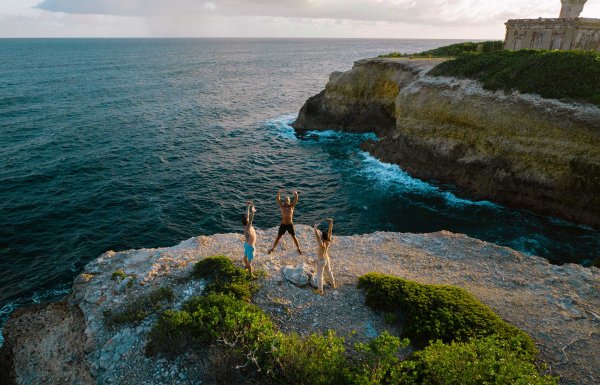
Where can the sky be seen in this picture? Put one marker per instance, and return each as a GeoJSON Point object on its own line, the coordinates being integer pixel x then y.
{"type": "Point", "coordinates": [427, 19]}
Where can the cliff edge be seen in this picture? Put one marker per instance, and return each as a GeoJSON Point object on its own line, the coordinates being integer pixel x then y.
{"type": "Point", "coordinates": [81, 341]}
{"type": "Point", "coordinates": [520, 150]}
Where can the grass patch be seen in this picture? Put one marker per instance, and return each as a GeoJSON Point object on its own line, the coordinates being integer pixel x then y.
{"type": "Point", "coordinates": [551, 74]}
{"type": "Point", "coordinates": [452, 50]}
{"type": "Point", "coordinates": [136, 311]}
{"type": "Point", "coordinates": [438, 312]}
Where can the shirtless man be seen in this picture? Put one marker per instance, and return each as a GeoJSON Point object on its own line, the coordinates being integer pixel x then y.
{"type": "Point", "coordinates": [249, 236]}
{"type": "Point", "coordinates": [287, 223]}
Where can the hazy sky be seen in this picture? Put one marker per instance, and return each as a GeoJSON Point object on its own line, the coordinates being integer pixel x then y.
{"type": "Point", "coordinates": [476, 19]}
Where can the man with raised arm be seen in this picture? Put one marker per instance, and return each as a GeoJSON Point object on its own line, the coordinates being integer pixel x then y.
{"type": "Point", "coordinates": [287, 223]}
{"type": "Point", "coordinates": [249, 236]}
{"type": "Point", "coordinates": [323, 261]}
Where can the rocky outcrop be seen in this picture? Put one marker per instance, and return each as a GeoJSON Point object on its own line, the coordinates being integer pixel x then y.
{"type": "Point", "coordinates": [46, 345]}
{"type": "Point", "coordinates": [517, 149]}
{"type": "Point", "coordinates": [72, 343]}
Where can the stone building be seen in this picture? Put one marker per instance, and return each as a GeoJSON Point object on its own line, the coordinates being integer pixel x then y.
{"type": "Point", "coordinates": [569, 31]}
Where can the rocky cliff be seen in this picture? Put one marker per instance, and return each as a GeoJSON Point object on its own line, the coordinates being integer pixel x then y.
{"type": "Point", "coordinates": [75, 342]}
{"type": "Point", "coordinates": [517, 149]}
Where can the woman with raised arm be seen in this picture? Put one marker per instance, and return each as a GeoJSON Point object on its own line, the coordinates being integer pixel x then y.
{"type": "Point", "coordinates": [324, 261]}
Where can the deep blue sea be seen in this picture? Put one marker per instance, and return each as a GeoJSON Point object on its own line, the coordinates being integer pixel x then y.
{"type": "Point", "coordinates": [128, 143]}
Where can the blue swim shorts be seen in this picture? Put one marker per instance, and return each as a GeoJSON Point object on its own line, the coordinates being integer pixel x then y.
{"type": "Point", "coordinates": [248, 252]}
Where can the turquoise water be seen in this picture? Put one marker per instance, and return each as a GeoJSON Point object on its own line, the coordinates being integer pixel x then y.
{"type": "Point", "coordinates": [125, 143]}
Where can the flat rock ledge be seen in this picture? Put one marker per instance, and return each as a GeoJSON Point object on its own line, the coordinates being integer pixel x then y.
{"type": "Point", "coordinates": [69, 342]}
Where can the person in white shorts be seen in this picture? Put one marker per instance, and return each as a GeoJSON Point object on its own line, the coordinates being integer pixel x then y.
{"type": "Point", "coordinates": [323, 261]}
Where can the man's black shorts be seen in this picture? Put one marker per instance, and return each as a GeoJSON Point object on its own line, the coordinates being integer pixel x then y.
{"type": "Point", "coordinates": [289, 228]}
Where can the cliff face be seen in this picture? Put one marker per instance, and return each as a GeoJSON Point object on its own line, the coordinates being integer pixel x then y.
{"type": "Point", "coordinates": [520, 150]}
{"type": "Point", "coordinates": [72, 343]}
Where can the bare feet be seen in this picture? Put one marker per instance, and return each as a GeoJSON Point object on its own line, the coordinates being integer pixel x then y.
{"type": "Point", "coordinates": [318, 292]}
{"type": "Point", "coordinates": [270, 251]}
{"type": "Point", "coordinates": [300, 252]}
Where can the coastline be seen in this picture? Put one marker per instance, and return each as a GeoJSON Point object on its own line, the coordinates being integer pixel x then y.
{"type": "Point", "coordinates": [554, 304]}
{"type": "Point", "coordinates": [520, 150]}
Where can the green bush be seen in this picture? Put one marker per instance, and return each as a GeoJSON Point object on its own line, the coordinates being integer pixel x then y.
{"type": "Point", "coordinates": [379, 363]}
{"type": "Point", "coordinates": [438, 312]}
{"type": "Point", "coordinates": [215, 317]}
{"type": "Point", "coordinates": [313, 360]}
{"type": "Point", "coordinates": [489, 360]}
{"type": "Point", "coordinates": [136, 311]}
{"type": "Point", "coordinates": [224, 277]}
{"type": "Point", "coordinates": [551, 74]}
{"type": "Point", "coordinates": [455, 50]}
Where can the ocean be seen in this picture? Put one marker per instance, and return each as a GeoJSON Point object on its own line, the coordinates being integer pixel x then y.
{"type": "Point", "coordinates": [112, 144]}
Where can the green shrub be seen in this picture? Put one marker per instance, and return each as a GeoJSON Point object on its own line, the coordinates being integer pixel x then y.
{"type": "Point", "coordinates": [224, 277]}
{"type": "Point", "coordinates": [551, 74]}
{"type": "Point", "coordinates": [438, 312]}
{"type": "Point", "coordinates": [241, 326]}
{"type": "Point", "coordinates": [455, 50]}
{"type": "Point", "coordinates": [170, 334]}
{"type": "Point", "coordinates": [379, 364]}
{"type": "Point", "coordinates": [313, 360]}
{"type": "Point", "coordinates": [137, 310]}
{"type": "Point", "coordinates": [489, 360]}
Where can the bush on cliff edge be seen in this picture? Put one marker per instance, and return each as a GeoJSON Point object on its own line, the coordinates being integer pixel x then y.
{"type": "Point", "coordinates": [453, 50]}
{"type": "Point", "coordinates": [439, 312]}
{"type": "Point", "coordinates": [551, 74]}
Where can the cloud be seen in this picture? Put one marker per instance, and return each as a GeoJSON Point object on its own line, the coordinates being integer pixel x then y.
{"type": "Point", "coordinates": [432, 12]}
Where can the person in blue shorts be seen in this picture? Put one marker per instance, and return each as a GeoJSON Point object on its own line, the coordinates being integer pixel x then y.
{"type": "Point", "coordinates": [249, 236]}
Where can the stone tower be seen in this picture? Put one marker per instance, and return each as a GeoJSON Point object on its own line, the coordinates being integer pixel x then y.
{"type": "Point", "coordinates": [571, 9]}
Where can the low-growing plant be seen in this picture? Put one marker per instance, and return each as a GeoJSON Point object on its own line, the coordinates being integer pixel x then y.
{"type": "Point", "coordinates": [136, 311]}
{"type": "Point", "coordinates": [313, 360]}
{"type": "Point", "coordinates": [224, 277]}
{"type": "Point", "coordinates": [438, 312]}
{"type": "Point", "coordinates": [379, 364]}
{"type": "Point", "coordinates": [118, 274]}
{"type": "Point", "coordinates": [454, 50]}
{"type": "Point", "coordinates": [216, 317]}
{"type": "Point", "coordinates": [489, 360]}
{"type": "Point", "coordinates": [551, 74]}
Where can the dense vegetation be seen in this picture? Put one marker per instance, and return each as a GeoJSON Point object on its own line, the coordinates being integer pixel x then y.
{"type": "Point", "coordinates": [438, 312]}
{"type": "Point", "coordinates": [252, 350]}
{"type": "Point", "coordinates": [453, 50]}
{"type": "Point", "coordinates": [551, 74]}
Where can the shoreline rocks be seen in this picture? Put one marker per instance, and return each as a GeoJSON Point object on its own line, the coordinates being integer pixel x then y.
{"type": "Point", "coordinates": [71, 342]}
{"type": "Point", "coordinates": [520, 150]}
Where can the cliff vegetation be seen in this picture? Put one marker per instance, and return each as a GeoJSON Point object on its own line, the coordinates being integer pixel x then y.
{"type": "Point", "coordinates": [550, 74]}
{"type": "Point", "coordinates": [452, 50]}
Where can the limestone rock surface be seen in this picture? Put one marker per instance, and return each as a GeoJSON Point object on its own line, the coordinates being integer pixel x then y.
{"type": "Point", "coordinates": [520, 150]}
{"type": "Point", "coordinates": [70, 342]}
